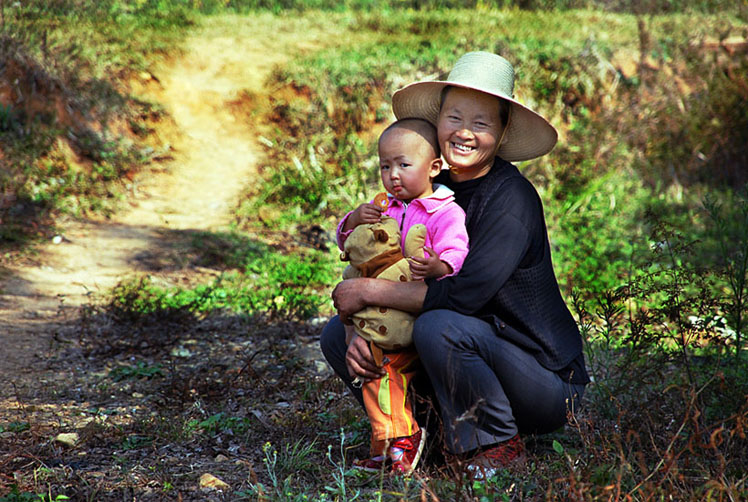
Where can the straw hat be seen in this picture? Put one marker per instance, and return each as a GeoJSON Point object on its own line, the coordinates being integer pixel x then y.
{"type": "Point", "coordinates": [528, 134]}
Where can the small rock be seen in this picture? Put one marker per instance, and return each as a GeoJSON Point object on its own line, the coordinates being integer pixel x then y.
{"type": "Point", "coordinates": [138, 395]}
{"type": "Point", "coordinates": [221, 458]}
{"type": "Point", "coordinates": [67, 438]}
{"type": "Point", "coordinates": [318, 321]}
{"type": "Point", "coordinates": [56, 239]}
{"type": "Point", "coordinates": [210, 482]}
{"type": "Point", "coordinates": [83, 423]}
{"type": "Point", "coordinates": [180, 352]}
{"type": "Point", "coordinates": [321, 367]}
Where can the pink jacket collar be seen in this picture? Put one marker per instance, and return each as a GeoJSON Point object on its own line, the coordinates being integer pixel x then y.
{"type": "Point", "coordinates": [441, 197]}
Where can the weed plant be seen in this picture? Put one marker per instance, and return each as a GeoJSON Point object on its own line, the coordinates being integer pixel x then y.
{"type": "Point", "coordinates": [729, 234]}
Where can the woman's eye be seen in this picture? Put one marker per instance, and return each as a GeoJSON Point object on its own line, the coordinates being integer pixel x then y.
{"type": "Point", "coordinates": [404, 165]}
{"type": "Point", "coordinates": [384, 168]}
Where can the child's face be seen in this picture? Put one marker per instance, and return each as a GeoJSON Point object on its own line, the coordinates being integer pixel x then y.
{"type": "Point", "coordinates": [407, 164]}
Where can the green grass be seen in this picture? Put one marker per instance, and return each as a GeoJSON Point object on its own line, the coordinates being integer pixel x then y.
{"type": "Point", "coordinates": [256, 280]}
{"type": "Point", "coordinates": [141, 370]}
{"type": "Point", "coordinates": [614, 161]}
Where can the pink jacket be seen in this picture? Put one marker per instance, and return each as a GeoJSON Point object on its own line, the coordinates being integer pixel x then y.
{"type": "Point", "coordinates": [444, 220]}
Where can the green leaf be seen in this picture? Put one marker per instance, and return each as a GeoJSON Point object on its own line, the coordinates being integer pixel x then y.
{"type": "Point", "coordinates": [558, 447]}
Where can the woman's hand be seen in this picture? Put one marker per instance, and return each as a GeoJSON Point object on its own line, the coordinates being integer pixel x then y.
{"type": "Point", "coordinates": [352, 295]}
{"type": "Point", "coordinates": [359, 360]}
{"type": "Point", "coordinates": [348, 297]}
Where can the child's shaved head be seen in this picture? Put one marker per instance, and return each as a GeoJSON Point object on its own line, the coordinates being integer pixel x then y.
{"type": "Point", "coordinates": [419, 126]}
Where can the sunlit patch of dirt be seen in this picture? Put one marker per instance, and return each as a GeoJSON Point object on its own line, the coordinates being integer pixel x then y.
{"type": "Point", "coordinates": [141, 394]}
{"type": "Point", "coordinates": [206, 123]}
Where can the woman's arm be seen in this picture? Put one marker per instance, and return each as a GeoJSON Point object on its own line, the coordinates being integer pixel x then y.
{"type": "Point", "coordinates": [352, 295]}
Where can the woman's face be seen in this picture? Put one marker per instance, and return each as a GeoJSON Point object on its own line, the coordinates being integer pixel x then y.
{"type": "Point", "coordinates": [469, 130]}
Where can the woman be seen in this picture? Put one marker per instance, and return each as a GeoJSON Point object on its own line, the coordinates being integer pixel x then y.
{"type": "Point", "coordinates": [498, 344]}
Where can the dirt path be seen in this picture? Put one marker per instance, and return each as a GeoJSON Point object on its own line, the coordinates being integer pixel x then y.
{"type": "Point", "coordinates": [214, 159]}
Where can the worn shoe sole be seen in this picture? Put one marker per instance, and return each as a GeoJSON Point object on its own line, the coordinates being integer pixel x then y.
{"type": "Point", "coordinates": [375, 464]}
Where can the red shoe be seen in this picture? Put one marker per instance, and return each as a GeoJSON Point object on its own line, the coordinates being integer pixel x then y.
{"type": "Point", "coordinates": [405, 453]}
{"type": "Point", "coordinates": [379, 460]}
{"type": "Point", "coordinates": [401, 458]}
{"type": "Point", "coordinates": [505, 454]}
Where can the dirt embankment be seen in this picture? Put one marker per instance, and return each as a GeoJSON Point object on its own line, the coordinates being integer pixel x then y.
{"type": "Point", "coordinates": [206, 90]}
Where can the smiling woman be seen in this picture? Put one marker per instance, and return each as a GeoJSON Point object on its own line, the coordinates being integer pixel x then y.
{"type": "Point", "coordinates": [470, 130]}
{"type": "Point", "coordinates": [497, 342]}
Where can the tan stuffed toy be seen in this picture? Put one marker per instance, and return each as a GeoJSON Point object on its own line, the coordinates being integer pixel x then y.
{"type": "Point", "coordinates": [374, 251]}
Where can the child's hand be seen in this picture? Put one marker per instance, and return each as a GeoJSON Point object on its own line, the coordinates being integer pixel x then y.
{"type": "Point", "coordinates": [365, 213]}
{"type": "Point", "coordinates": [428, 267]}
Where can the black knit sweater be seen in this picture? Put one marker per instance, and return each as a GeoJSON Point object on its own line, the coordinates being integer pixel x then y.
{"type": "Point", "coordinates": [507, 278]}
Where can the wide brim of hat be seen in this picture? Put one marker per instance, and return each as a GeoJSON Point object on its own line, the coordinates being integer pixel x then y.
{"type": "Point", "coordinates": [528, 136]}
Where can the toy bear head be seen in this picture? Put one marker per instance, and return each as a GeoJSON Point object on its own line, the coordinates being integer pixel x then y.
{"type": "Point", "coordinates": [371, 240]}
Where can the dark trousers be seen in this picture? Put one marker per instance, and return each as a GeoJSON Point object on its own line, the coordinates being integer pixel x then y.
{"type": "Point", "coordinates": [487, 389]}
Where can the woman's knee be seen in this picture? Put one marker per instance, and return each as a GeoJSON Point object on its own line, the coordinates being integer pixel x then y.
{"type": "Point", "coordinates": [436, 330]}
{"type": "Point", "coordinates": [426, 325]}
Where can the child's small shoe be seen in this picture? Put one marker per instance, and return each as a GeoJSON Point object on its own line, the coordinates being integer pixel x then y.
{"type": "Point", "coordinates": [401, 458]}
{"type": "Point", "coordinates": [406, 452]}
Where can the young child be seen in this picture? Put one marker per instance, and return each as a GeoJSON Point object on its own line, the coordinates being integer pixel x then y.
{"type": "Point", "coordinates": [409, 158]}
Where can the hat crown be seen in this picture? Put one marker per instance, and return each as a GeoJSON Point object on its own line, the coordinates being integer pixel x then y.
{"type": "Point", "coordinates": [484, 71]}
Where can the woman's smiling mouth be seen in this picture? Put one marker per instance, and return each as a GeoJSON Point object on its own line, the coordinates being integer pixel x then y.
{"type": "Point", "coordinates": [463, 148]}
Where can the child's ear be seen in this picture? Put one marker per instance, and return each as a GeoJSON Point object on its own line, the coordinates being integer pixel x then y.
{"type": "Point", "coordinates": [435, 167]}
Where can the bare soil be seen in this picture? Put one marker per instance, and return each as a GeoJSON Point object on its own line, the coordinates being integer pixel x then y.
{"type": "Point", "coordinates": [214, 150]}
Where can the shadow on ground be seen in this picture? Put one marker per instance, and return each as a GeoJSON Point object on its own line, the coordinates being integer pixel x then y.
{"type": "Point", "coordinates": [154, 403]}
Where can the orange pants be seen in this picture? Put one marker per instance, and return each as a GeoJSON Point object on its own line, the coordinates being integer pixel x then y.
{"type": "Point", "coordinates": [387, 401]}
